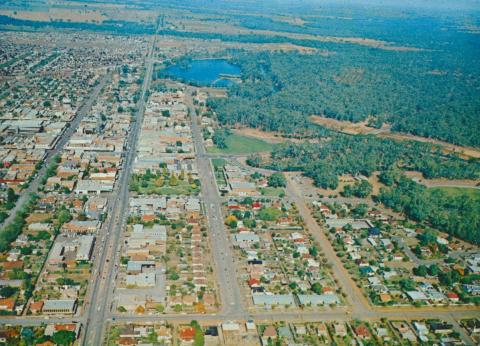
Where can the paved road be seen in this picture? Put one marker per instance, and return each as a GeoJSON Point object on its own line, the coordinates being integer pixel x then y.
{"type": "Point", "coordinates": [57, 149]}
{"type": "Point", "coordinates": [104, 286]}
{"type": "Point", "coordinates": [98, 312]}
{"type": "Point", "coordinates": [411, 255]}
{"type": "Point", "coordinates": [324, 315]}
{"type": "Point", "coordinates": [355, 297]}
{"type": "Point", "coordinates": [269, 316]}
{"type": "Point", "coordinates": [232, 301]}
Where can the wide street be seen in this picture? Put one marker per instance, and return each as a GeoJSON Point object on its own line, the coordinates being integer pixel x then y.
{"type": "Point", "coordinates": [222, 251]}
{"type": "Point", "coordinates": [98, 312]}
{"type": "Point", "coordinates": [104, 285]}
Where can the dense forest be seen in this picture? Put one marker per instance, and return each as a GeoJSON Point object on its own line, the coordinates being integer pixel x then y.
{"type": "Point", "coordinates": [324, 162]}
{"type": "Point", "coordinates": [109, 26]}
{"type": "Point", "coordinates": [457, 215]}
{"type": "Point", "coordinates": [431, 92]}
{"type": "Point", "coordinates": [279, 91]}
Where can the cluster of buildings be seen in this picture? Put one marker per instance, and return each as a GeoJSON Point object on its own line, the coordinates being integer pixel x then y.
{"type": "Point", "coordinates": [33, 119]}
{"type": "Point", "coordinates": [135, 334]}
{"type": "Point", "coordinates": [388, 258]}
{"type": "Point", "coordinates": [57, 53]}
{"type": "Point", "coordinates": [237, 181]}
{"type": "Point", "coordinates": [46, 334]}
{"type": "Point", "coordinates": [88, 171]}
{"type": "Point", "coordinates": [166, 263]}
{"type": "Point", "coordinates": [45, 78]}
{"type": "Point", "coordinates": [280, 263]}
{"type": "Point", "coordinates": [50, 264]}
{"type": "Point", "coordinates": [166, 139]}
{"type": "Point", "coordinates": [299, 334]}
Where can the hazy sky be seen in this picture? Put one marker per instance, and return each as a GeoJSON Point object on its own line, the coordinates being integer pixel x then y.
{"type": "Point", "coordinates": [435, 4]}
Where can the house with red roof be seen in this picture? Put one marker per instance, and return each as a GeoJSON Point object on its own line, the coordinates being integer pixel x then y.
{"type": "Point", "coordinates": [7, 304]}
{"type": "Point", "coordinates": [453, 297]}
{"type": "Point", "coordinates": [256, 205]}
{"type": "Point", "coordinates": [187, 334]}
{"type": "Point", "coordinates": [254, 282]}
{"type": "Point", "coordinates": [362, 332]}
{"type": "Point", "coordinates": [36, 307]}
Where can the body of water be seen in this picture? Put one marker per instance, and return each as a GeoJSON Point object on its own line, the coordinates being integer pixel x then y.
{"type": "Point", "coordinates": [205, 72]}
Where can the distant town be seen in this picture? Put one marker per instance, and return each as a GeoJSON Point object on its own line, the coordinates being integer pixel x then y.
{"type": "Point", "coordinates": [147, 198]}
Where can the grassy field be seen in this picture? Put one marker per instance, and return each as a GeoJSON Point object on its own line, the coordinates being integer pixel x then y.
{"type": "Point", "coordinates": [181, 189]}
{"type": "Point", "coordinates": [459, 191]}
{"type": "Point", "coordinates": [272, 191]}
{"type": "Point", "coordinates": [162, 186]}
{"type": "Point", "coordinates": [218, 163]}
{"type": "Point", "coordinates": [237, 144]}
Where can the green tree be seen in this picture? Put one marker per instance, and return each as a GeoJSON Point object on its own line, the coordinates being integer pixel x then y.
{"type": "Point", "coordinates": [433, 270]}
{"type": "Point", "coordinates": [199, 338]}
{"type": "Point", "coordinates": [317, 288]}
{"type": "Point", "coordinates": [277, 180]}
{"type": "Point", "coordinates": [421, 270]}
{"type": "Point", "coordinates": [254, 160]}
{"type": "Point", "coordinates": [63, 215]}
{"type": "Point", "coordinates": [8, 291]}
{"type": "Point", "coordinates": [220, 138]}
{"type": "Point", "coordinates": [63, 337]}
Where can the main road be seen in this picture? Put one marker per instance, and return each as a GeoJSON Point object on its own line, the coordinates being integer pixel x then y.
{"type": "Point", "coordinates": [104, 285]}
{"type": "Point", "coordinates": [356, 299]}
{"type": "Point", "coordinates": [232, 301]}
{"type": "Point", "coordinates": [58, 147]}
{"type": "Point", "coordinates": [99, 309]}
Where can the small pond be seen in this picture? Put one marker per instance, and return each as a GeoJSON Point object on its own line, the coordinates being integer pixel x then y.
{"type": "Point", "coordinates": [211, 72]}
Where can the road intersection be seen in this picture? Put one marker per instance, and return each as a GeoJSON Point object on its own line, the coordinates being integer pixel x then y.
{"type": "Point", "coordinates": [98, 308]}
{"type": "Point", "coordinates": [104, 285]}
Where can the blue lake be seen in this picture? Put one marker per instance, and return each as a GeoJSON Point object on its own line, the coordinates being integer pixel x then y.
{"type": "Point", "coordinates": [205, 72]}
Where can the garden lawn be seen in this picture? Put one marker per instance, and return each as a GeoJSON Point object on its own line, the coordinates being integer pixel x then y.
{"type": "Point", "coordinates": [237, 144]}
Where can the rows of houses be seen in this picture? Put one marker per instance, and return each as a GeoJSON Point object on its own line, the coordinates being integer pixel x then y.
{"type": "Point", "coordinates": [387, 258]}
{"type": "Point", "coordinates": [283, 333]}
{"type": "Point", "coordinates": [165, 257]}
{"type": "Point", "coordinates": [51, 260]}
{"type": "Point", "coordinates": [279, 262]}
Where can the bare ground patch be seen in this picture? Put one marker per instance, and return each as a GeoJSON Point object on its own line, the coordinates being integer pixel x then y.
{"type": "Point", "coordinates": [226, 28]}
{"type": "Point", "coordinates": [58, 14]}
{"type": "Point", "coordinates": [362, 128]}
{"type": "Point", "coordinates": [269, 137]}
{"type": "Point", "coordinates": [417, 176]}
{"type": "Point", "coordinates": [347, 127]}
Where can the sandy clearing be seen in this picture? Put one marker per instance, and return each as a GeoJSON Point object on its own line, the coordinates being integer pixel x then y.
{"type": "Point", "coordinates": [225, 28]}
{"type": "Point", "coordinates": [269, 137]}
{"type": "Point", "coordinates": [418, 177]}
{"type": "Point", "coordinates": [347, 127]}
{"type": "Point", "coordinates": [362, 128]}
{"type": "Point", "coordinates": [57, 14]}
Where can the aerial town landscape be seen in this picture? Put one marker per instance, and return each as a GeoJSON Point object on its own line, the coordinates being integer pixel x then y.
{"type": "Point", "coordinates": [225, 173]}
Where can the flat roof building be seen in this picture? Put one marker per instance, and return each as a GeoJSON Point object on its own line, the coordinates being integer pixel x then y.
{"type": "Point", "coordinates": [61, 306]}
